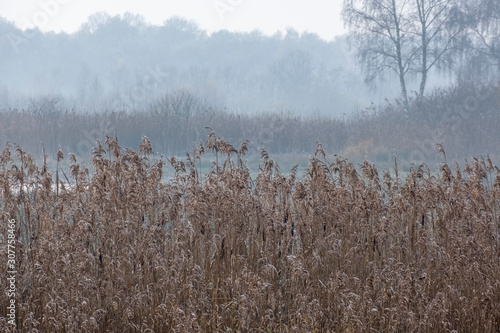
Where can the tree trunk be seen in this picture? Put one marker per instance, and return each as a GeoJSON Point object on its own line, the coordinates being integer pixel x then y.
{"type": "Point", "coordinates": [401, 68]}
{"type": "Point", "coordinates": [424, 69]}
{"type": "Point", "coordinates": [404, 93]}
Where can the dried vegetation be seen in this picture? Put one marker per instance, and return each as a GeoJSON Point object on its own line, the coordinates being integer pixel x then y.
{"type": "Point", "coordinates": [340, 249]}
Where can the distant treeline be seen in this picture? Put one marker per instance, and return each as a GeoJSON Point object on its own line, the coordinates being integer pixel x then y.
{"type": "Point", "coordinates": [464, 119]}
{"type": "Point", "coordinates": [122, 63]}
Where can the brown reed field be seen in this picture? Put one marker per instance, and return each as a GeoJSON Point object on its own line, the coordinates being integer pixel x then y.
{"type": "Point", "coordinates": [115, 247]}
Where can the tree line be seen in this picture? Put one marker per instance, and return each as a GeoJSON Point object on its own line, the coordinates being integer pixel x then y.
{"type": "Point", "coordinates": [124, 63]}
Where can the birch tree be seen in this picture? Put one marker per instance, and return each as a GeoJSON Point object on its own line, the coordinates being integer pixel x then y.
{"type": "Point", "coordinates": [485, 37]}
{"type": "Point", "coordinates": [406, 38]}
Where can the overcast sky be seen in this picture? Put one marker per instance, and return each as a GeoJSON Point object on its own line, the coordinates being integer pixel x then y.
{"type": "Point", "coordinates": [318, 16]}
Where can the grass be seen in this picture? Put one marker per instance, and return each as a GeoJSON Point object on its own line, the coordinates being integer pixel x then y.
{"type": "Point", "coordinates": [378, 133]}
{"type": "Point", "coordinates": [337, 249]}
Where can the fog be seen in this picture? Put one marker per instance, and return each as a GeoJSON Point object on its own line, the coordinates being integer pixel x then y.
{"type": "Point", "coordinates": [123, 63]}
{"type": "Point", "coordinates": [123, 76]}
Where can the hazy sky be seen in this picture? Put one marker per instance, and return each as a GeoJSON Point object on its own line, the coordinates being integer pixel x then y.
{"type": "Point", "coordinates": [319, 16]}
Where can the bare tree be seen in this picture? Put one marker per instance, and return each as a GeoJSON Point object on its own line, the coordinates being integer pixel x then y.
{"type": "Point", "coordinates": [293, 72]}
{"type": "Point", "coordinates": [484, 42]}
{"type": "Point", "coordinates": [46, 106]}
{"type": "Point", "coordinates": [383, 38]}
{"type": "Point", "coordinates": [405, 37]}
{"type": "Point", "coordinates": [439, 24]}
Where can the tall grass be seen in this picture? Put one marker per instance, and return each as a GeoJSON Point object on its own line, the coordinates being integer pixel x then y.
{"type": "Point", "coordinates": [342, 249]}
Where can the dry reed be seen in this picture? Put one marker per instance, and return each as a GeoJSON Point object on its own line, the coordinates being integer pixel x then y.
{"type": "Point", "coordinates": [340, 249]}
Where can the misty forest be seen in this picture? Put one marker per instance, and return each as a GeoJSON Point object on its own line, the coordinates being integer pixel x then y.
{"type": "Point", "coordinates": [122, 76]}
{"type": "Point", "coordinates": [161, 178]}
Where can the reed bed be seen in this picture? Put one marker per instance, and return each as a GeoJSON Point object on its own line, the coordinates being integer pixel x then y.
{"type": "Point", "coordinates": [340, 249]}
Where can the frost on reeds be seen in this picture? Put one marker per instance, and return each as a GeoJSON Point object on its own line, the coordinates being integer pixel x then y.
{"type": "Point", "coordinates": [341, 248]}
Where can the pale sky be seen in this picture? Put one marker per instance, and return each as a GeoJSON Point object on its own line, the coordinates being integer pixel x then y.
{"type": "Point", "coordinates": [318, 16]}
